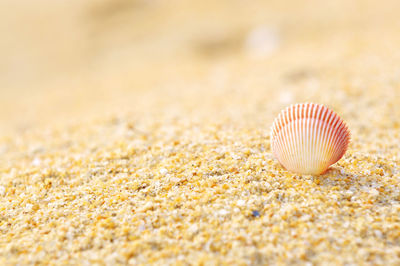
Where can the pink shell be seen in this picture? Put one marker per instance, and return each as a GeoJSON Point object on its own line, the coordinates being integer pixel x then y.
{"type": "Point", "coordinates": [307, 138]}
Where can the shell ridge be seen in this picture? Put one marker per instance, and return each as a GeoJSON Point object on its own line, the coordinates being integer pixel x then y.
{"type": "Point", "coordinates": [330, 130]}
{"type": "Point", "coordinates": [298, 142]}
{"type": "Point", "coordinates": [322, 131]}
{"type": "Point", "coordinates": [293, 136]}
{"type": "Point", "coordinates": [289, 136]}
{"type": "Point", "coordinates": [345, 144]}
{"type": "Point", "coordinates": [336, 157]}
{"type": "Point", "coordinates": [326, 127]}
{"type": "Point", "coordinates": [344, 141]}
{"type": "Point", "coordinates": [336, 142]}
{"type": "Point", "coordinates": [309, 138]}
{"type": "Point", "coordinates": [314, 131]}
{"type": "Point", "coordinates": [321, 112]}
{"type": "Point", "coordinates": [335, 151]}
{"type": "Point", "coordinates": [309, 131]}
{"type": "Point", "coordinates": [323, 115]}
{"type": "Point", "coordinates": [304, 150]}
{"type": "Point", "coordinates": [336, 131]}
{"type": "Point", "coordinates": [296, 128]}
{"type": "Point", "coordinates": [340, 141]}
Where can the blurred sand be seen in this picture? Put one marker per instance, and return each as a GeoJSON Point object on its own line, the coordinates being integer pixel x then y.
{"type": "Point", "coordinates": [138, 131]}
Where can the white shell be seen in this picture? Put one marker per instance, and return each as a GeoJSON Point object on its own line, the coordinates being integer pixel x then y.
{"type": "Point", "coordinates": [307, 138]}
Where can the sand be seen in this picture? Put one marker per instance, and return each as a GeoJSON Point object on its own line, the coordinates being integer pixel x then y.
{"type": "Point", "coordinates": [147, 142]}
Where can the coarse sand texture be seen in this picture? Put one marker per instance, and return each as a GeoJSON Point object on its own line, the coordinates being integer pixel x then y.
{"type": "Point", "coordinates": [139, 133]}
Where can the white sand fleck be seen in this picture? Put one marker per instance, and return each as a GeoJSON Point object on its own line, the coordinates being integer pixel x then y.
{"type": "Point", "coordinates": [223, 212]}
{"type": "Point", "coordinates": [241, 203]}
{"type": "Point", "coordinates": [163, 171]}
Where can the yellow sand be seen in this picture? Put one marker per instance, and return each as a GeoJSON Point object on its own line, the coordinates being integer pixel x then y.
{"type": "Point", "coordinates": [138, 132]}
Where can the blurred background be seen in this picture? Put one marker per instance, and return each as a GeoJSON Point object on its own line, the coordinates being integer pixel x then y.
{"type": "Point", "coordinates": [68, 60]}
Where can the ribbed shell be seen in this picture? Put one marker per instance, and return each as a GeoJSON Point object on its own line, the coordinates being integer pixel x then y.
{"type": "Point", "coordinates": [307, 138]}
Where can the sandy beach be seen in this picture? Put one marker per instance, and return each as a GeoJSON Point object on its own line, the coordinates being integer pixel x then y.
{"type": "Point", "coordinates": [138, 132]}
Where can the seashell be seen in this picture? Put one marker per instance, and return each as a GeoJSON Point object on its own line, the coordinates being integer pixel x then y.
{"type": "Point", "coordinates": [307, 138]}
